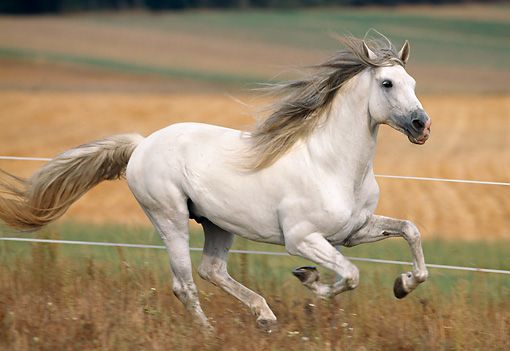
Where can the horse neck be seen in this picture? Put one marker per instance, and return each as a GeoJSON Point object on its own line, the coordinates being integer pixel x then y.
{"type": "Point", "coordinates": [345, 142]}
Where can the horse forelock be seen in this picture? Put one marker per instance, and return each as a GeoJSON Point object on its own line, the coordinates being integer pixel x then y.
{"type": "Point", "coordinates": [301, 103]}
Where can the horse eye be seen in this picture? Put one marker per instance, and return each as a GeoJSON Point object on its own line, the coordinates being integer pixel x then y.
{"type": "Point", "coordinates": [387, 84]}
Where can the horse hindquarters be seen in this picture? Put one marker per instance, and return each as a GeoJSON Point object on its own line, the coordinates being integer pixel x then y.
{"type": "Point", "coordinates": [166, 206]}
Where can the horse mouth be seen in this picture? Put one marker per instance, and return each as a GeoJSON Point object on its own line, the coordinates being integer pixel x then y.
{"type": "Point", "coordinates": [413, 136]}
{"type": "Point", "coordinates": [419, 141]}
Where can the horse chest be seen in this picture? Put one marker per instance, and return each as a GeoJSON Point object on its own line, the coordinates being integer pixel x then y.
{"type": "Point", "coordinates": [340, 219]}
{"type": "Point", "coordinates": [342, 212]}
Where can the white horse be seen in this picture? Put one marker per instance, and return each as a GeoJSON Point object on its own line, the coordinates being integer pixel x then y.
{"type": "Point", "coordinates": [303, 179]}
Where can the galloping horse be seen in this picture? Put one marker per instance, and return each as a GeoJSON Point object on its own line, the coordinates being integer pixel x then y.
{"type": "Point", "coordinates": [303, 178]}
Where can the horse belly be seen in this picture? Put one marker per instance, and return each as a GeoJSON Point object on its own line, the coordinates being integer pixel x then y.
{"type": "Point", "coordinates": [235, 204]}
{"type": "Point", "coordinates": [239, 214]}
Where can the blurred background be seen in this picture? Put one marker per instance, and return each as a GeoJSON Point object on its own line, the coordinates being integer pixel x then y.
{"type": "Point", "coordinates": [86, 69]}
{"type": "Point", "coordinates": [73, 71]}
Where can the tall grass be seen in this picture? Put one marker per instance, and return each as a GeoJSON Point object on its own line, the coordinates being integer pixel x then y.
{"type": "Point", "coordinates": [54, 298]}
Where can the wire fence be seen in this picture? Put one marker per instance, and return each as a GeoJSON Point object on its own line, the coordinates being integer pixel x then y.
{"type": "Point", "coordinates": [430, 179]}
{"type": "Point", "coordinates": [251, 252]}
{"type": "Point", "coordinates": [362, 259]}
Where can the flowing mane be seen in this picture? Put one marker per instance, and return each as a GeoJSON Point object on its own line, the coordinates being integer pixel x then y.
{"type": "Point", "coordinates": [302, 102]}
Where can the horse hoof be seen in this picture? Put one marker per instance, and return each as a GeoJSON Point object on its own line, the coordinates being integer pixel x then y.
{"type": "Point", "coordinates": [267, 325]}
{"type": "Point", "coordinates": [306, 274]}
{"type": "Point", "coordinates": [399, 289]}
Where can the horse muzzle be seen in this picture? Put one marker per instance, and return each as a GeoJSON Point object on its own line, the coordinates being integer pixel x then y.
{"type": "Point", "coordinates": [417, 127]}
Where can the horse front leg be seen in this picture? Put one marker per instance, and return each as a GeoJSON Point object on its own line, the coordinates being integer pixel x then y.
{"type": "Point", "coordinates": [316, 248]}
{"type": "Point", "coordinates": [379, 228]}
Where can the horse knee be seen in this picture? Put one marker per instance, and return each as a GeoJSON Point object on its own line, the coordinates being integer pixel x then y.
{"type": "Point", "coordinates": [410, 231]}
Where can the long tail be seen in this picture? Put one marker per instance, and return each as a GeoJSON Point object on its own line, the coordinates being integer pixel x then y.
{"type": "Point", "coordinates": [29, 204]}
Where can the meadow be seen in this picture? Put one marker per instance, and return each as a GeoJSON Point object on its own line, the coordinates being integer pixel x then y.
{"type": "Point", "coordinates": [71, 79]}
{"type": "Point", "coordinates": [82, 297]}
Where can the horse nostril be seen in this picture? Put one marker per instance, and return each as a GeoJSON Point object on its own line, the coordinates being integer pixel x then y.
{"type": "Point", "coordinates": [418, 124]}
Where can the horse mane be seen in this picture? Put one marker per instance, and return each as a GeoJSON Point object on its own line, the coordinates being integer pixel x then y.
{"type": "Point", "coordinates": [302, 102]}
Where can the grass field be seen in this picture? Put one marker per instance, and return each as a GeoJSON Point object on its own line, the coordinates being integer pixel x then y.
{"type": "Point", "coordinates": [74, 297]}
{"type": "Point", "coordinates": [68, 80]}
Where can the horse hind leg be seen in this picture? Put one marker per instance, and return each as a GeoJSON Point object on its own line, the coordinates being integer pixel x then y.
{"type": "Point", "coordinates": [213, 268]}
{"type": "Point", "coordinates": [172, 225]}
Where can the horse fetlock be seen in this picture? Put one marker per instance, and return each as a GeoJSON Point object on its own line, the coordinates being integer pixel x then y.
{"type": "Point", "coordinates": [352, 278]}
{"type": "Point", "coordinates": [420, 276]}
{"type": "Point", "coordinates": [352, 282]}
{"type": "Point", "coordinates": [260, 308]}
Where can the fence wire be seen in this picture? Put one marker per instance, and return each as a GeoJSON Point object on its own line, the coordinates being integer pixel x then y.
{"type": "Point", "coordinates": [388, 176]}
{"type": "Point", "coordinates": [253, 252]}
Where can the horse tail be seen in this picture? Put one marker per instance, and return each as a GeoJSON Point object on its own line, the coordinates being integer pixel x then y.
{"type": "Point", "coordinates": [29, 204]}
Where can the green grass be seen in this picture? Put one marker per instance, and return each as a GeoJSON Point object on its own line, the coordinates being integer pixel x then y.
{"type": "Point", "coordinates": [275, 268]}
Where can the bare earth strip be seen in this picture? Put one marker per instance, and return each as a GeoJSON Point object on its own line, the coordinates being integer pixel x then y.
{"type": "Point", "coordinates": [469, 140]}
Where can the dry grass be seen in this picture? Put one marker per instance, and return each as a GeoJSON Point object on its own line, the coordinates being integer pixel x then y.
{"type": "Point", "coordinates": [52, 303]}
{"type": "Point", "coordinates": [469, 140]}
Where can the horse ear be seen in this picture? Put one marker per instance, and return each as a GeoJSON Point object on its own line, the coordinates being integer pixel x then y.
{"type": "Point", "coordinates": [404, 52]}
{"type": "Point", "coordinates": [368, 53]}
